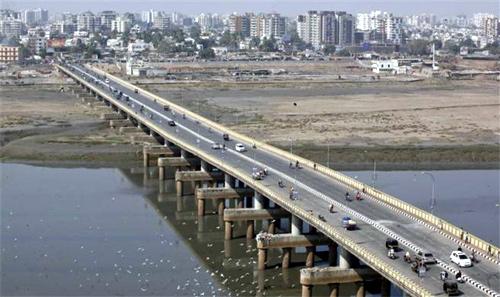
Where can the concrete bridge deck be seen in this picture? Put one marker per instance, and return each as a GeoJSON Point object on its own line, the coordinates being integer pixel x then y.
{"type": "Point", "coordinates": [378, 216]}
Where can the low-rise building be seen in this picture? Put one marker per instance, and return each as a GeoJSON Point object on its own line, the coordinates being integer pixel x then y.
{"type": "Point", "coordinates": [9, 53]}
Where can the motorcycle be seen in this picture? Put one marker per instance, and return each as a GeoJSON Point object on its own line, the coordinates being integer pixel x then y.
{"type": "Point", "coordinates": [280, 184]}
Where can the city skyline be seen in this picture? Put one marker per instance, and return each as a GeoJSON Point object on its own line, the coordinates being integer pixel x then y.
{"type": "Point", "coordinates": [401, 7]}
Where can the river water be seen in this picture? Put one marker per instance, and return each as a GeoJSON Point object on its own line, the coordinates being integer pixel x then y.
{"type": "Point", "coordinates": [77, 231]}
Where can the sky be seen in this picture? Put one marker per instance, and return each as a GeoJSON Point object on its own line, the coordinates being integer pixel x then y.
{"type": "Point", "coordinates": [442, 8]}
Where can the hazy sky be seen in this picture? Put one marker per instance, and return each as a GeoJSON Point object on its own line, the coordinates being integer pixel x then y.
{"type": "Point", "coordinates": [286, 7]}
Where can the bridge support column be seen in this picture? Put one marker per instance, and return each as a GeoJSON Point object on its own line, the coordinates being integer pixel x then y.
{"type": "Point", "coordinates": [257, 200]}
{"type": "Point", "coordinates": [204, 167]}
{"type": "Point", "coordinates": [262, 259]}
{"type": "Point", "coordinates": [201, 207]}
{"type": "Point", "coordinates": [385, 287]}
{"type": "Point", "coordinates": [220, 206]}
{"type": "Point", "coordinates": [334, 290]}
{"type": "Point", "coordinates": [306, 291]}
{"type": "Point", "coordinates": [145, 157]}
{"type": "Point", "coordinates": [184, 154]}
{"type": "Point", "coordinates": [346, 259]}
{"type": "Point", "coordinates": [287, 258]}
{"type": "Point", "coordinates": [161, 173]}
{"type": "Point", "coordinates": [332, 254]}
{"type": "Point", "coordinates": [228, 232]}
{"type": "Point", "coordinates": [271, 228]}
{"type": "Point", "coordinates": [310, 251]}
{"type": "Point", "coordinates": [179, 186]}
{"type": "Point", "coordinates": [250, 229]}
{"type": "Point", "coordinates": [296, 225]}
{"type": "Point", "coordinates": [360, 292]}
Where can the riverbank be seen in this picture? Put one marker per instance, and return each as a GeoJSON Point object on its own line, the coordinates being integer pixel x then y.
{"type": "Point", "coordinates": [427, 125]}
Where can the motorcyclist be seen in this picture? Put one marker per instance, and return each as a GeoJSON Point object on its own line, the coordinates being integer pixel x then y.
{"type": "Point", "coordinates": [443, 275]}
{"type": "Point", "coordinates": [473, 255]}
{"type": "Point", "coordinates": [280, 183]}
{"type": "Point", "coordinates": [331, 207]}
{"type": "Point", "coordinates": [458, 276]}
{"type": "Point", "coordinates": [390, 253]}
{"type": "Point", "coordinates": [358, 196]}
{"type": "Point", "coordinates": [297, 164]}
{"type": "Point", "coordinates": [347, 196]}
{"type": "Point", "coordinates": [407, 256]}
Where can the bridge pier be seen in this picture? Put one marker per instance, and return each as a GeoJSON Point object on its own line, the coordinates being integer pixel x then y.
{"type": "Point", "coordinates": [346, 259]}
{"type": "Point", "coordinates": [296, 225]}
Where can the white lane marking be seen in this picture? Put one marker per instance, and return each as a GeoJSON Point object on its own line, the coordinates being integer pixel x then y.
{"type": "Point", "coordinates": [383, 229]}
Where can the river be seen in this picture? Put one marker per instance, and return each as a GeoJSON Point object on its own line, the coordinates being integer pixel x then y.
{"type": "Point", "coordinates": [78, 231]}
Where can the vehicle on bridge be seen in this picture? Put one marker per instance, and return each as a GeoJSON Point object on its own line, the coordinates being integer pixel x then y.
{"type": "Point", "coordinates": [136, 91]}
{"type": "Point", "coordinates": [239, 147]}
{"type": "Point", "coordinates": [392, 243]}
{"type": "Point", "coordinates": [166, 108]}
{"type": "Point", "coordinates": [216, 146]}
{"type": "Point", "coordinates": [426, 257]}
{"type": "Point", "coordinates": [225, 136]}
{"type": "Point", "coordinates": [348, 223]}
{"type": "Point", "coordinates": [171, 123]}
{"type": "Point", "coordinates": [461, 259]}
{"type": "Point", "coordinates": [451, 288]}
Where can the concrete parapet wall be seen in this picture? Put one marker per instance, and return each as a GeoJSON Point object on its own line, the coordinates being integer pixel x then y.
{"type": "Point", "coordinates": [111, 116]}
{"type": "Point", "coordinates": [119, 123]}
{"type": "Point", "coordinates": [198, 176]}
{"type": "Point", "coordinates": [289, 241]}
{"type": "Point", "coordinates": [174, 162]}
{"type": "Point", "coordinates": [222, 193]}
{"type": "Point", "coordinates": [336, 275]}
{"type": "Point", "coordinates": [245, 214]}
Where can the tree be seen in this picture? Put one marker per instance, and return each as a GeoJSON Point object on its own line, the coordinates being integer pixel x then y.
{"type": "Point", "coordinates": [329, 49]}
{"type": "Point", "coordinates": [418, 47]}
{"type": "Point", "coordinates": [452, 47]}
{"type": "Point", "coordinates": [254, 42]}
{"type": "Point", "coordinates": [468, 43]}
{"type": "Point", "coordinates": [207, 53]}
{"type": "Point", "coordinates": [165, 47]}
{"type": "Point", "coordinates": [343, 53]}
{"type": "Point", "coordinates": [438, 44]}
{"type": "Point", "coordinates": [493, 48]}
{"type": "Point", "coordinates": [268, 45]}
{"type": "Point", "coordinates": [195, 32]}
{"type": "Point", "coordinates": [178, 35]}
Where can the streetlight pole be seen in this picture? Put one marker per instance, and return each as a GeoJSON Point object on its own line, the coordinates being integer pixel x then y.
{"type": "Point", "coordinates": [328, 155]}
{"type": "Point", "coordinates": [433, 198]}
{"type": "Point", "coordinates": [374, 174]}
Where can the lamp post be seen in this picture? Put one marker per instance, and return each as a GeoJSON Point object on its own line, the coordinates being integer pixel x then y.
{"type": "Point", "coordinates": [433, 198]}
{"type": "Point", "coordinates": [328, 155]}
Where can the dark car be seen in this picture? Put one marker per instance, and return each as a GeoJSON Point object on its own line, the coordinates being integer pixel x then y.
{"type": "Point", "coordinates": [166, 108]}
{"type": "Point", "coordinates": [225, 136]}
{"type": "Point", "coordinates": [451, 288]}
{"type": "Point", "coordinates": [171, 123]}
{"type": "Point", "coordinates": [391, 243]}
{"type": "Point", "coordinates": [136, 91]}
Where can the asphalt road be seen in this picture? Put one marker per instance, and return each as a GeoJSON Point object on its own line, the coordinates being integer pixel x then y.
{"type": "Point", "coordinates": [315, 192]}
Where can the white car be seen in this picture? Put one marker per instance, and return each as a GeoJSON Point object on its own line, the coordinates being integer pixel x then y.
{"type": "Point", "coordinates": [460, 259]}
{"type": "Point", "coordinates": [217, 146]}
{"type": "Point", "coordinates": [107, 81]}
{"type": "Point", "coordinates": [239, 147]}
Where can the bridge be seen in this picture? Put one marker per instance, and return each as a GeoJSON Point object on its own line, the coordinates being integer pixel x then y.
{"type": "Point", "coordinates": [308, 190]}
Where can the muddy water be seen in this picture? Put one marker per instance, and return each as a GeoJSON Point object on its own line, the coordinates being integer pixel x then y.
{"type": "Point", "coordinates": [117, 232]}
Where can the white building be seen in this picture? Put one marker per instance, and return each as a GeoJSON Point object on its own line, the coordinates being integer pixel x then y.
{"type": "Point", "coordinates": [393, 29]}
{"type": "Point", "coordinates": [326, 27]}
{"type": "Point", "coordinates": [162, 22]}
{"type": "Point", "coordinates": [10, 27]}
{"type": "Point", "coordinates": [107, 17]}
{"type": "Point", "coordinates": [385, 66]}
{"type": "Point", "coordinates": [87, 21]}
{"type": "Point", "coordinates": [138, 46]}
{"type": "Point", "coordinates": [120, 25]}
{"type": "Point", "coordinates": [478, 19]}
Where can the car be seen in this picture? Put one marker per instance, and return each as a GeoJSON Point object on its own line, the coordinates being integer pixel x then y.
{"type": "Point", "coordinates": [216, 146]}
{"type": "Point", "coordinates": [348, 223]}
{"type": "Point", "coordinates": [460, 258]}
{"type": "Point", "coordinates": [426, 257]}
{"type": "Point", "coordinates": [225, 136]}
{"type": "Point", "coordinates": [166, 108]}
{"type": "Point", "coordinates": [136, 91]}
{"type": "Point", "coordinates": [451, 288]}
{"type": "Point", "coordinates": [171, 123]}
{"type": "Point", "coordinates": [107, 81]}
{"type": "Point", "coordinates": [239, 147]}
{"type": "Point", "coordinates": [391, 243]}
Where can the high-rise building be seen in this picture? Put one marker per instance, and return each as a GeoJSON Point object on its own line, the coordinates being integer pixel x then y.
{"type": "Point", "coordinates": [240, 24]}
{"type": "Point", "coordinates": [107, 17]}
{"type": "Point", "coordinates": [491, 29]}
{"type": "Point", "coordinates": [11, 27]}
{"type": "Point", "coordinates": [321, 28]}
{"type": "Point", "coordinates": [32, 17]}
{"type": "Point", "coordinates": [267, 25]}
{"type": "Point", "coordinates": [120, 24]}
{"type": "Point", "coordinates": [87, 21]}
{"type": "Point", "coordinates": [393, 29]}
{"type": "Point", "coordinates": [346, 24]}
{"type": "Point", "coordinates": [479, 18]}
{"type": "Point", "coordinates": [149, 16]}
{"type": "Point", "coordinates": [162, 22]}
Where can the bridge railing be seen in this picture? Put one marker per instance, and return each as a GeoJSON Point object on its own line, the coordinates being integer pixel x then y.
{"type": "Point", "coordinates": [416, 212]}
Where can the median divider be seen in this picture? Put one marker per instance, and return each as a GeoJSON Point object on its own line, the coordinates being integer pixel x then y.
{"type": "Point", "coordinates": [415, 212]}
